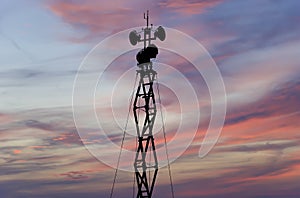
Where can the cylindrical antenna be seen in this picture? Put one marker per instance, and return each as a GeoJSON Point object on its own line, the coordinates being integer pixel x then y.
{"type": "Point", "coordinates": [147, 17]}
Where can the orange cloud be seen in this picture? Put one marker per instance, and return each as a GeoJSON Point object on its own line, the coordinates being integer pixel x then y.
{"type": "Point", "coordinates": [17, 151]}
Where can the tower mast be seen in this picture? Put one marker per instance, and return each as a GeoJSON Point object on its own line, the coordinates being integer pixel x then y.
{"type": "Point", "coordinates": [144, 109]}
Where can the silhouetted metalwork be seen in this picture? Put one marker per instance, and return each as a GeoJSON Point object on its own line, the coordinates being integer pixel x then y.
{"type": "Point", "coordinates": [144, 109]}
{"type": "Point", "coordinates": [145, 102]}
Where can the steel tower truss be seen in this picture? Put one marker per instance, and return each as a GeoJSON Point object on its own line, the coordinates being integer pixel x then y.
{"type": "Point", "coordinates": [144, 109]}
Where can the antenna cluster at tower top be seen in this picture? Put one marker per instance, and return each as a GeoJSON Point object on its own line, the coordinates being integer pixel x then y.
{"type": "Point", "coordinates": [135, 37]}
{"type": "Point", "coordinates": [150, 50]}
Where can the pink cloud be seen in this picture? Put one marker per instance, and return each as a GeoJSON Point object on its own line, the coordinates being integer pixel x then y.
{"type": "Point", "coordinates": [98, 18]}
{"type": "Point", "coordinates": [188, 7]}
{"type": "Point", "coordinates": [102, 19]}
{"type": "Point", "coordinates": [5, 118]}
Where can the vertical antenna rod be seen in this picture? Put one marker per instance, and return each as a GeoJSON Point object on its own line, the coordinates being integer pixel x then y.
{"type": "Point", "coordinates": [147, 18]}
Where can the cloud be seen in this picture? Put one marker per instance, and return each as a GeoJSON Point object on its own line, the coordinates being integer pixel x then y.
{"type": "Point", "coordinates": [261, 146]}
{"type": "Point", "coordinates": [230, 173]}
{"type": "Point", "coordinates": [96, 18]}
{"type": "Point", "coordinates": [233, 167]}
{"type": "Point", "coordinates": [75, 175]}
{"type": "Point", "coordinates": [17, 151]}
{"type": "Point", "coordinates": [254, 24]}
{"type": "Point", "coordinates": [189, 7]}
{"type": "Point", "coordinates": [284, 99]}
{"type": "Point", "coordinates": [257, 153]}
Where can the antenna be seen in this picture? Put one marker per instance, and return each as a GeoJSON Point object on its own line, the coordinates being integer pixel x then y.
{"type": "Point", "coordinates": [146, 38]}
{"type": "Point", "coordinates": [147, 18]}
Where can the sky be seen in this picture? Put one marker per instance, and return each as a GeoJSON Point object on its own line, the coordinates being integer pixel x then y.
{"type": "Point", "coordinates": [254, 44]}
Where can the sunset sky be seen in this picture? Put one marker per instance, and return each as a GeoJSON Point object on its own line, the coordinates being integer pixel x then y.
{"type": "Point", "coordinates": [255, 45]}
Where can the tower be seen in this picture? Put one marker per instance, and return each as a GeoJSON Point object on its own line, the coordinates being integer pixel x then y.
{"type": "Point", "coordinates": [144, 109]}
